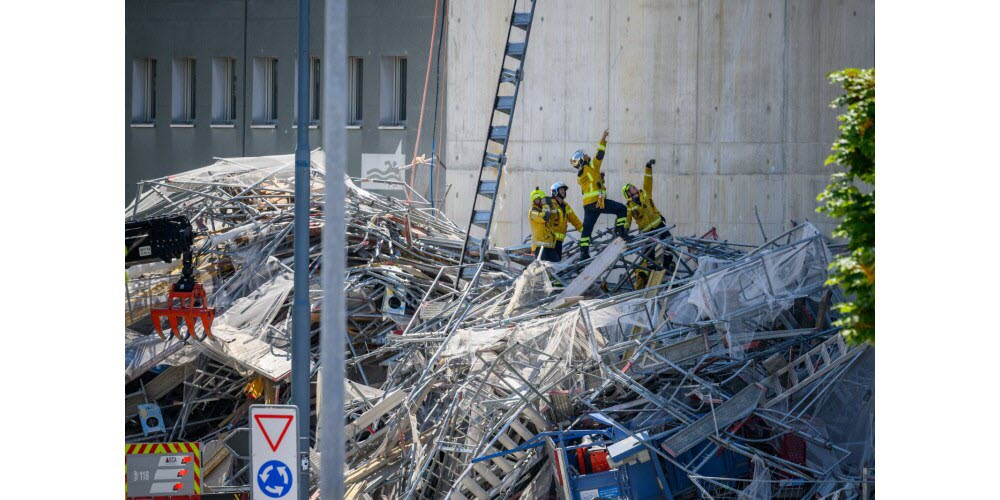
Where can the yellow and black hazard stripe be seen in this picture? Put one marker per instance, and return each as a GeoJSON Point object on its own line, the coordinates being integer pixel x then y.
{"type": "Point", "coordinates": [164, 448]}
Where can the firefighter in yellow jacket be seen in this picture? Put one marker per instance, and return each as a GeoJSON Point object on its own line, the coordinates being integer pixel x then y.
{"type": "Point", "coordinates": [543, 239]}
{"type": "Point", "coordinates": [562, 214]}
{"type": "Point", "coordinates": [642, 210]}
{"type": "Point", "coordinates": [595, 195]}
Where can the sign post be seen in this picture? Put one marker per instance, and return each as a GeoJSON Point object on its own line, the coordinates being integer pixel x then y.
{"type": "Point", "coordinates": [162, 470]}
{"type": "Point", "coordinates": [274, 451]}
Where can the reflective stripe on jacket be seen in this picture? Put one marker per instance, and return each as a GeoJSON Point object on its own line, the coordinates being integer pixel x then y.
{"type": "Point", "coordinates": [589, 177]}
{"type": "Point", "coordinates": [541, 235]}
{"type": "Point", "coordinates": [562, 214]}
{"type": "Point", "coordinates": [644, 213]}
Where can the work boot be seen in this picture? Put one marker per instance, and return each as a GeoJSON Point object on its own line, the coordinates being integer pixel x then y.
{"type": "Point", "coordinates": [622, 233]}
{"type": "Point", "coordinates": [584, 253]}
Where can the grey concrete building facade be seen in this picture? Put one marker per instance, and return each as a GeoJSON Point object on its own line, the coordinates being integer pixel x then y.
{"type": "Point", "coordinates": [188, 124]}
{"type": "Point", "coordinates": [730, 97]}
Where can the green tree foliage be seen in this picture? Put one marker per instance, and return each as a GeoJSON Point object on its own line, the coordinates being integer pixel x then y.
{"type": "Point", "coordinates": [854, 271]}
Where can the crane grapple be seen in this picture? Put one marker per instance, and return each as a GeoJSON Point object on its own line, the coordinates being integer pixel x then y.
{"type": "Point", "coordinates": [167, 238]}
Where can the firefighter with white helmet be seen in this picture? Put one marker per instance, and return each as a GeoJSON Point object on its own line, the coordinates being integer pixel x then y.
{"type": "Point", "coordinates": [562, 214]}
{"type": "Point", "coordinates": [595, 194]}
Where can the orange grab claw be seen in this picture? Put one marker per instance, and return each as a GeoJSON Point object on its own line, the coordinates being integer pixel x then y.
{"type": "Point", "coordinates": [188, 306]}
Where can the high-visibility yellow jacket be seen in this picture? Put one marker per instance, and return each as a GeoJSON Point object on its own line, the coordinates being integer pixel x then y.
{"type": "Point", "coordinates": [541, 234]}
{"type": "Point", "coordinates": [589, 177]}
{"type": "Point", "coordinates": [562, 214]}
{"type": "Point", "coordinates": [644, 213]}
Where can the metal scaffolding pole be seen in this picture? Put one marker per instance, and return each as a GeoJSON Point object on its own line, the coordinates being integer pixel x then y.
{"type": "Point", "coordinates": [333, 318]}
{"type": "Point", "coordinates": [301, 322]}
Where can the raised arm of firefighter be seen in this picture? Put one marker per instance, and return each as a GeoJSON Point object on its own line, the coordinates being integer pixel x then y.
{"type": "Point", "coordinates": [595, 194]}
{"type": "Point", "coordinates": [647, 179]}
{"type": "Point", "coordinates": [602, 146]}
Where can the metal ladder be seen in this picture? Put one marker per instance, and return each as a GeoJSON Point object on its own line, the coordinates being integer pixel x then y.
{"type": "Point", "coordinates": [809, 367]}
{"type": "Point", "coordinates": [498, 135]}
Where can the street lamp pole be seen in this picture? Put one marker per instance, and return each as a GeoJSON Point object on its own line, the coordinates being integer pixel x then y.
{"type": "Point", "coordinates": [301, 321]}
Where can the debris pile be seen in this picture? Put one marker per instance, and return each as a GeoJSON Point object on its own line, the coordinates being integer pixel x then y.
{"type": "Point", "coordinates": [722, 377]}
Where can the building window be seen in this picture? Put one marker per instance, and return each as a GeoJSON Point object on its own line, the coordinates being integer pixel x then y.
{"type": "Point", "coordinates": [144, 90]}
{"type": "Point", "coordinates": [315, 95]}
{"type": "Point", "coordinates": [265, 90]}
{"type": "Point", "coordinates": [223, 90]}
{"type": "Point", "coordinates": [355, 67]}
{"type": "Point", "coordinates": [393, 91]}
{"type": "Point", "coordinates": [183, 91]}
{"type": "Point", "coordinates": [314, 86]}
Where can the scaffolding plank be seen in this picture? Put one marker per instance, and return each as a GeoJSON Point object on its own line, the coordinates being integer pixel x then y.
{"type": "Point", "coordinates": [589, 275]}
{"type": "Point", "coordinates": [724, 415]}
{"type": "Point", "coordinates": [391, 401]}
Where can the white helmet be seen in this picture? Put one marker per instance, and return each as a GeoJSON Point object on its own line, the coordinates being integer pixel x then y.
{"type": "Point", "coordinates": [576, 158]}
{"type": "Point", "coordinates": [555, 188]}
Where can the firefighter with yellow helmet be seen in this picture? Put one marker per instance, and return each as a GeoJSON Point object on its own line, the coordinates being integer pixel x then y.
{"type": "Point", "coordinates": [562, 214]}
{"type": "Point", "coordinates": [641, 209]}
{"type": "Point", "coordinates": [543, 239]}
{"type": "Point", "coordinates": [595, 195]}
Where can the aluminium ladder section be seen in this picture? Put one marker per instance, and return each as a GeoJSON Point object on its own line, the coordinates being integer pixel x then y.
{"type": "Point", "coordinates": [498, 134]}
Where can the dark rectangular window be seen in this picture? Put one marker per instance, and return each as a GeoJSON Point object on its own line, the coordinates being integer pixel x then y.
{"type": "Point", "coordinates": [143, 90]}
{"type": "Point", "coordinates": [355, 69]}
{"type": "Point", "coordinates": [393, 90]}
{"type": "Point", "coordinates": [315, 96]}
{"type": "Point", "coordinates": [223, 90]}
{"type": "Point", "coordinates": [265, 90]}
{"type": "Point", "coordinates": [183, 91]}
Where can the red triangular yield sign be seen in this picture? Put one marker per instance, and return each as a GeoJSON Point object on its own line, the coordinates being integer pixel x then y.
{"type": "Point", "coordinates": [273, 443]}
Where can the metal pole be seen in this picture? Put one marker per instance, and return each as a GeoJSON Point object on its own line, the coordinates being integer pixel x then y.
{"type": "Point", "coordinates": [333, 320]}
{"type": "Point", "coordinates": [301, 322]}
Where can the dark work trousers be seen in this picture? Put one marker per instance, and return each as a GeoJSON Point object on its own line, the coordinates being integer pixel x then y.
{"type": "Point", "coordinates": [590, 215]}
{"type": "Point", "coordinates": [552, 254]}
{"type": "Point", "coordinates": [668, 257]}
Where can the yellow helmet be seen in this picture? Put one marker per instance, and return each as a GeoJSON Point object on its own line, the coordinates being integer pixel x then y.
{"type": "Point", "coordinates": [625, 190]}
{"type": "Point", "coordinates": [537, 194]}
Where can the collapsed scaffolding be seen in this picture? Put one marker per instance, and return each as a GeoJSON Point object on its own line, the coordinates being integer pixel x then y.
{"type": "Point", "coordinates": [722, 378]}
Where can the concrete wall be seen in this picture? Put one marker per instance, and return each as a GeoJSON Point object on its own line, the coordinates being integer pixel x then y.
{"type": "Point", "coordinates": [243, 29]}
{"type": "Point", "coordinates": [729, 96]}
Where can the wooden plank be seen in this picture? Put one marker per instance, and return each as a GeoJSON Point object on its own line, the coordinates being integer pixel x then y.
{"type": "Point", "coordinates": [676, 352]}
{"type": "Point", "coordinates": [824, 307]}
{"type": "Point", "coordinates": [159, 387]}
{"type": "Point", "coordinates": [726, 414]}
{"type": "Point", "coordinates": [505, 465]}
{"type": "Point", "coordinates": [486, 473]}
{"type": "Point", "coordinates": [362, 472]}
{"type": "Point", "coordinates": [389, 403]}
{"type": "Point", "coordinates": [655, 278]}
{"type": "Point", "coordinates": [582, 283]}
{"type": "Point", "coordinates": [521, 430]}
{"type": "Point", "coordinates": [354, 491]}
{"type": "Point", "coordinates": [474, 488]}
{"type": "Point", "coordinates": [747, 337]}
{"type": "Point", "coordinates": [536, 418]}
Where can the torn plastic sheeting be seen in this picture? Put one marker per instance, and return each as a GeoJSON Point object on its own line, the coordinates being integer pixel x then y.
{"type": "Point", "coordinates": [532, 286]}
{"type": "Point", "coordinates": [753, 291]}
{"type": "Point", "coordinates": [144, 352]}
{"type": "Point", "coordinates": [253, 314]}
{"type": "Point", "coordinates": [467, 342]}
